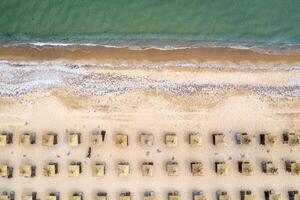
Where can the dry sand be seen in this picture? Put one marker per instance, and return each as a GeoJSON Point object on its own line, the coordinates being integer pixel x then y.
{"type": "Point", "coordinates": [157, 101]}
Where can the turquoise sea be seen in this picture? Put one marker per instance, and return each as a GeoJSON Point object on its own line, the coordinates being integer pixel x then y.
{"type": "Point", "coordinates": [160, 23]}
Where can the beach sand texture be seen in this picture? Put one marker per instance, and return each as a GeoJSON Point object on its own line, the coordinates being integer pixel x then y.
{"type": "Point", "coordinates": [133, 100]}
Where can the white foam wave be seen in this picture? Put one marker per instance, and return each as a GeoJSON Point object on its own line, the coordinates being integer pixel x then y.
{"type": "Point", "coordinates": [17, 78]}
{"type": "Point", "coordinates": [265, 49]}
{"type": "Point", "coordinates": [151, 65]}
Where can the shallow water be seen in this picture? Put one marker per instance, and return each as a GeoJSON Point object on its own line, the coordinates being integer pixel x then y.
{"type": "Point", "coordinates": [152, 23]}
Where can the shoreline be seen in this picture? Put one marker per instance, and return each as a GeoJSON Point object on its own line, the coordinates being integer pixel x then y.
{"type": "Point", "coordinates": [99, 54]}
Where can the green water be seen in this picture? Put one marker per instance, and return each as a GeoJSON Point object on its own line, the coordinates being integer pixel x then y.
{"type": "Point", "coordinates": [170, 21]}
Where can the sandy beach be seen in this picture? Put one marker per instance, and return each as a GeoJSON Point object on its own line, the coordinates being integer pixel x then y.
{"type": "Point", "coordinates": [130, 91]}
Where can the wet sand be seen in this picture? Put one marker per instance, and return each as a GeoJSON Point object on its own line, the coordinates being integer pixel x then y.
{"type": "Point", "coordinates": [100, 54]}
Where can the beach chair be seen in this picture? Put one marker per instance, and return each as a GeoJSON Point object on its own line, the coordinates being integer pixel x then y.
{"type": "Point", "coordinates": [267, 139]}
{"type": "Point", "coordinates": [222, 195]}
{"type": "Point", "coordinates": [76, 196]}
{"type": "Point", "coordinates": [247, 195]}
{"type": "Point", "coordinates": [51, 169]}
{"type": "Point", "coordinates": [53, 196]}
{"type": "Point", "coordinates": [74, 169]}
{"type": "Point", "coordinates": [125, 196]}
{"type": "Point", "coordinates": [98, 169]}
{"type": "Point", "coordinates": [101, 196]}
{"type": "Point", "coordinates": [27, 171]}
{"type": "Point", "coordinates": [147, 168]}
{"type": "Point", "coordinates": [219, 139]}
{"type": "Point", "coordinates": [7, 195]}
{"type": "Point", "coordinates": [293, 167]}
{"type": "Point", "coordinates": [27, 139]}
{"type": "Point", "coordinates": [4, 195]}
{"type": "Point", "coordinates": [49, 139]}
{"type": "Point", "coordinates": [146, 139]}
{"type": "Point", "coordinates": [3, 170]}
{"type": "Point", "coordinates": [121, 140]}
{"type": "Point", "coordinates": [271, 195]}
{"type": "Point", "coordinates": [195, 139]}
{"type": "Point", "coordinates": [174, 195]}
{"type": "Point", "coordinates": [199, 195]}
{"type": "Point", "coordinates": [269, 168]}
{"type": "Point", "coordinates": [171, 140]}
{"type": "Point", "coordinates": [3, 140]}
{"type": "Point", "coordinates": [74, 139]}
{"type": "Point", "coordinates": [6, 138]}
{"type": "Point", "coordinates": [32, 196]}
{"type": "Point", "coordinates": [172, 168]}
{"type": "Point", "coordinates": [98, 137]}
{"type": "Point", "coordinates": [293, 195]}
{"type": "Point", "coordinates": [245, 168]}
{"type": "Point", "coordinates": [243, 138]}
{"type": "Point", "coordinates": [149, 195]}
{"type": "Point", "coordinates": [292, 139]}
{"type": "Point", "coordinates": [221, 168]}
{"type": "Point", "coordinates": [6, 171]}
{"type": "Point", "coordinates": [123, 169]}
{"type": "Point", "coordinates": [197, 168]}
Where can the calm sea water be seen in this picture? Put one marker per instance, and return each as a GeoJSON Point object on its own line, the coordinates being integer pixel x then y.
{"type": "Point", "coordinates": [152, 22]}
